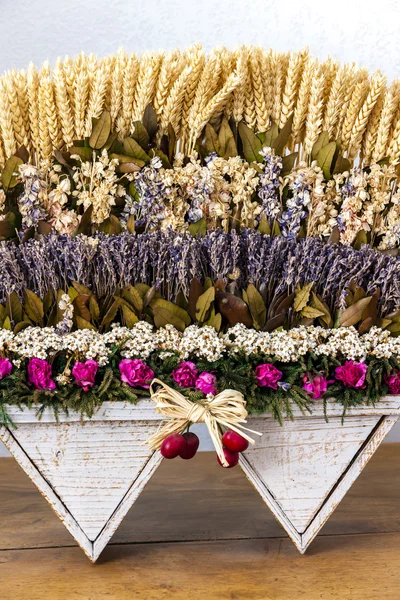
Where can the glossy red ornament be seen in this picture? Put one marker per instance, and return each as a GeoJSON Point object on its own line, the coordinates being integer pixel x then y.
{"type": "Point", "coordinates": [232, 458]}
{"type": "Point", "coordinates": [191, 445]}
{"type": "Point", "coordinates": [173, 445]}
{"type": "Point", "coordinates": [234, 441]}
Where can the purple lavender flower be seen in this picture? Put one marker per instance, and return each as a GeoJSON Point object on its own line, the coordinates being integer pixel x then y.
{"type": "Point", "coordinates": [268, 190]}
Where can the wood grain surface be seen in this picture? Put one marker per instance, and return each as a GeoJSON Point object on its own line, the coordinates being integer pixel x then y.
{"type": "Point", "coordinates": [199, 531]}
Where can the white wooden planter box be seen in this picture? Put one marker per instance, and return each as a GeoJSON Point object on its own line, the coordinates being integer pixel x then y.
{"type": "Point", "coordinates": [92, 471]}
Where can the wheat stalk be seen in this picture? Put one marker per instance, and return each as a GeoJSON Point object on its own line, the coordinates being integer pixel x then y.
{"type": "Point", "coordinates": [387, 115]}
{"type": "Point", "coordinates": [147, 78]}
{"type": "Point", "coordinates": [315, 109]}
{"type": "Point", "coordinates": [291, 88]}
{"type": "Point", "coordinates": [376, 86]}
{"type": "Point", "coordinates": [65, 112]}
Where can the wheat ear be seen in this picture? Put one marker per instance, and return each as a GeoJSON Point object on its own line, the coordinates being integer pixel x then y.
{"type": "Point", "coordinates": [315, 110]}
{"type": "Point", "coordinates": [97, 95]}
{"type": "Point", "coordinates": [301, 108]}
{"type": "Point", "coordinates": [172, 112]}
{"type": "Point", "coordinates": [358, 96]}
{"type": "Point", "coordinates": [238, 102]}
{"type": "Point", "coordinates": [32, 84]}
{"type": "Point", "coordinates": [116, 85]}
{"type": "Point", "coordinates": [377, 84]}
{"type": "Point", "coordinates": [334, 102]}
{"type": "Point", "coordinates": [20, 81]}
{"type": "Point", "coordinates": [169, 71]}
{"type": "Point", "coordinates": [20, 133]}
{"type": "Point", "coordinates": [371, 132]}
{"type": "Point", "coordinates": [147, 78]}
{"type": "Point", "coordinates": [63, 103]}
{"type": "Point", "coordinates": [262, 113]}
{"type": "Point", "coordinates": [215, 105]}
{"type": "Point", "coordinates": [387, 115]}
{"type": "Point", "coordinates": [194, 58]}
{"type": "Point", "coordinates": [6, 122]}
{"type": "Point", "coordinates": [81, 94]}
{"type": "Point", "coordinates": [129, 82]}
{"type": "Point", "coordinates": [265, 60]}
{"type": "Point", "coordinates": [291, 88]}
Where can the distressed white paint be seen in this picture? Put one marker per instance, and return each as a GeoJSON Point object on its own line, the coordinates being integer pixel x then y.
{"type": "Point", "coordinates": [303, 469]}
{"type": "Point", "coordinates": [92, 471]}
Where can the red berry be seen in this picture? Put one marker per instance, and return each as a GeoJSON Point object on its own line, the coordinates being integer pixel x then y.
{"type": "Point", "coordinates": [232, 458]}
{"type": "Point", "coordinates": [234, 441]}
{"type": "Point", "coordinates": [191, 447]}
{"type": "Point", "coordinates": [173, 445]}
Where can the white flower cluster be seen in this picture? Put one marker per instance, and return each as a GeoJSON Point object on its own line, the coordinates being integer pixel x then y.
{"type": "Point", "coordinates": [198, 342]}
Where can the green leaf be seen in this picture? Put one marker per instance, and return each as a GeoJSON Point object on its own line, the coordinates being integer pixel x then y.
{"type": "Point", "coordinates": [203, 304]}
{"type": "Point", "coordinates": [83, 324]}
{"type": "Point", "coordinates": [128, 316]}
{"type": "Point", "coordinates": [140, 134]}
{"type": "Point", "coordinates": [7, 324]}
{"type": "Point", "coordinates": [132, 148]}
{"type": "Point", "coordinates": [164, 158]}
{"type": "Point", "coordinates": [210, 141]}
{"type": "Point", "coordinates": [361, 238]}
{"type": "Point", "coordinates": [133, 297]}
{"type": "Point", "coordinates": [288, 163]}
{"type": "Point", "coordinates": [166, 312]}
{"type": "Point", "coordinates": [20, 326]}
{"type": "Point", "coordinates": [323, 140]}
{"type": "Point", "coordinates": [150, 121]}
{"type": "Point", "coordinates": [302, 296]}
{"type": "Point", "coordinates": [80, 307]}
{"type": "Point", "coordinates": [309, 312]}
{"type": "Point", "coordinates": [111, 313]}
{"type": "Point", "coordinates": [85, 225]}
{"type": "Point", "coordinates": [283, 137]}
{"type": "Point", "coordinates": [7, 230]}
{"type": "Point", "coordinates": [256, 306]}
{"type": "Point", "coordinates": [94, 308]}
{"type": "Point", "coordinates": [251, 143]}
{"type": "Point", "coordinates": [130, 224]}
{"type": "Point", "coordinates": [320, 305]}
{"type": "Point", "coordinates": [81, 289]}
{"type": "Point", "coordinates": [226, 140]}
{"type": "Point", "coordinates": [353, 314]}
{"type": "Point", "coordinates": [270, 136]}
{"type": "Point", "coordinates": [101, 131]}
{"type": "Point", "coordinates": [33, 306]}
{"type": "Point", "coordinates": [84, 153]}
{"type": "Point", "coordinates": [8, 178]}
{"type": "Point", "coordinates": [14, 307]}
{"type": "Point", "coordinates": [234, 309]}
{"type": "Point", "coordinates": [341, 165]}
{"type": "Point", "coordinates": [325, 157]}
{"type": "Point", "coordinates": [198, 228]}
{"type": "Point", "coordinates": [264, 226]}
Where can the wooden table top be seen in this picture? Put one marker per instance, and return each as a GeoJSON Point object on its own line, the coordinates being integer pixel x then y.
{"type": "Point", "coordinates": [199, 531]}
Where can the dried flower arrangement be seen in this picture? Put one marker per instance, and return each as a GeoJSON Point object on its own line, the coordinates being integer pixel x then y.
{"type": "Point", "coordinates": [179, 196]}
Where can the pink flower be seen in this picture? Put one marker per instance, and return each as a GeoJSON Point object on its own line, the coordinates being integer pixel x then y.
{"type": "Point", "coordinates": [268, 375]}
{"type": "Point", "coordinates": [135, 373]}
{"type": "Point", "coordinates": [315, 386]}
{"type": "Point", "coordinates": [352, 374]}
{"type": "Point", "coordinates": [39, 374]}
{"type": "Point", "coordinates": [206, 383]}
{"type": "Point", "coordinates": [5, 367]}
{"type": "Point", "coordinates": [85, 373]}
{"type": "Point", "coordinates": [393, 382]}
{"type": "Point", "coordinates": [186, 374]}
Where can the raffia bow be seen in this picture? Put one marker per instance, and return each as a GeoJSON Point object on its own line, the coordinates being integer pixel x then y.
{"type": "Point", "coordinates": [227, 409]}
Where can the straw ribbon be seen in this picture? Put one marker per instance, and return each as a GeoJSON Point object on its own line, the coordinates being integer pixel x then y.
{"type": "Point", "coordinates": [227, 409]}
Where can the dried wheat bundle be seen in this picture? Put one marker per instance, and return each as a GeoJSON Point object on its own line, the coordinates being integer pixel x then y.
{"type": "Point", "coordinates": [44, 109]}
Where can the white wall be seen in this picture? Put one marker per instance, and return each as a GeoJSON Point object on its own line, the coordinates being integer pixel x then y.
{"type": "Point", "coordinates": [365, 32]}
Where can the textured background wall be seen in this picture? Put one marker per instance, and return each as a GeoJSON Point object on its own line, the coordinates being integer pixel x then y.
{"type": "Point", "coordinates": [365, 32]}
